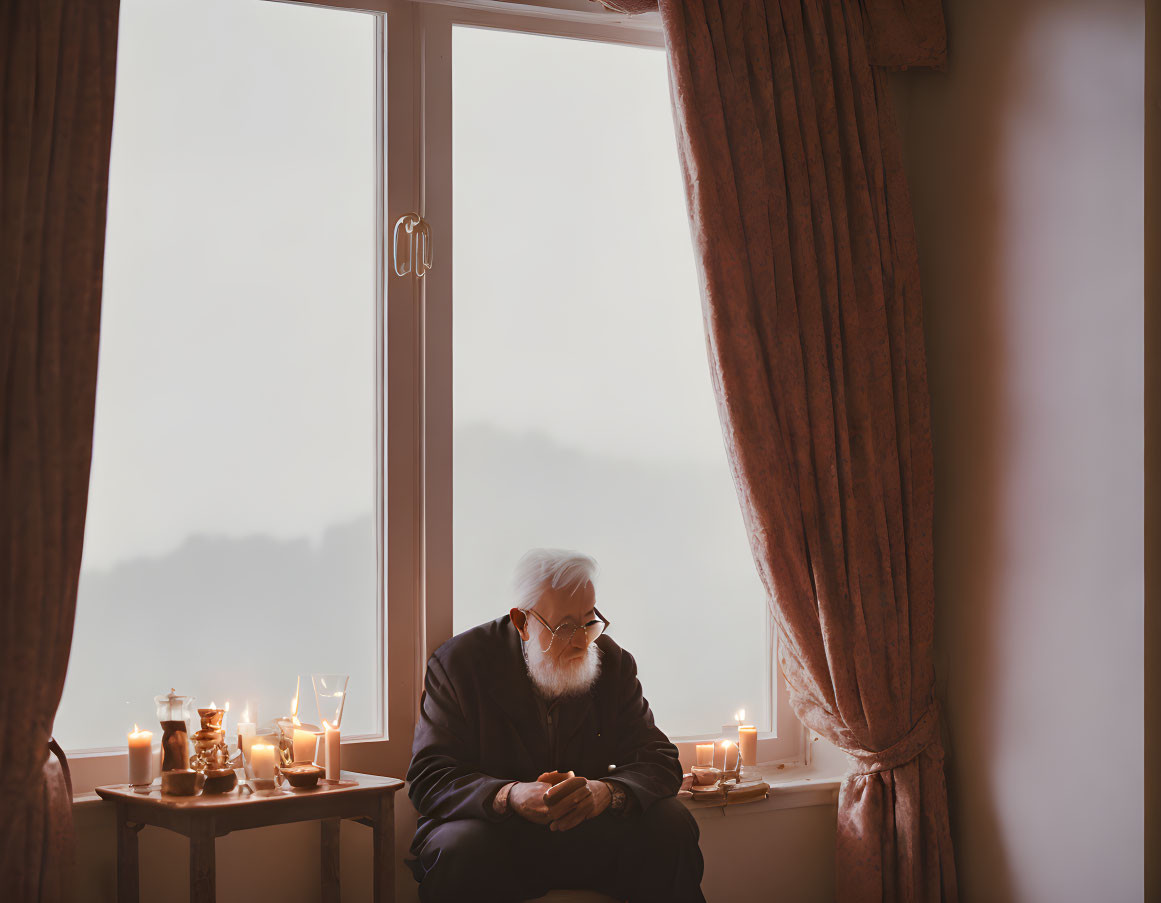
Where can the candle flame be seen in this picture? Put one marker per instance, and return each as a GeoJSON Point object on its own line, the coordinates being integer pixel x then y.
{"type": "Point", "coordinates": [726, 744]}
{"type": "Point", "coordinates": [294, 706]}
{"type": "Point", "coordinates": [135, 727]}
{"type": "Point", "coordinates": [227, 705]}
{"type": "Point", "coordinates": [294, 720]}
{"type": "Point", "coordinates": [326, 726]}
{"type": "Point", "coordinates": [740, 715]}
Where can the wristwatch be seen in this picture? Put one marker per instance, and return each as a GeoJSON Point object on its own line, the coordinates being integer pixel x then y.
{"type": "Point", "coordinates": [618, 797]}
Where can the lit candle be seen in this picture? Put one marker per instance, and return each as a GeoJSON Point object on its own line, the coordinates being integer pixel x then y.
{"type": "Point", "coordinates": [247, 730]}
{"type": "Point", "coordinates": [726, 747]}
{"type": "Point", "coordinates": [748, 744]}
{"type": "Point", "coordinates": [705, 754]}
{"type": "Point", "coordinates": [140, 757]}
{"type": "Point", "coordinates": [304, 743]}
{"type": "Point", "coordinates": [747, 738]}
{"type": "Point", "coordinates": [333, 752]}
{"type": "Point", "coordinates": [262, 758]}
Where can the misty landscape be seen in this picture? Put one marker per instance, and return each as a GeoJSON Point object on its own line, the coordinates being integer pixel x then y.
{"type": "Point", "coordinates": [239, 617]}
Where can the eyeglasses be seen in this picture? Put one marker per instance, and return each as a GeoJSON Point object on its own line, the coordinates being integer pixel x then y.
{"type": "Point", "coordinates": [568, 627]}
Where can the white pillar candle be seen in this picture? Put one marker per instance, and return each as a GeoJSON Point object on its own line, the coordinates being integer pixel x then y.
{"type": "Point", "coordinates": [748, 744]}
{"type": "Point", "coordinates": [140, 757]}
{"type": "Point", "coordinates": [705, 754]}
{"type": "Point", "coordinates": [246, 732]}
{"type": "Point", "coordinates": [262, 757]}
{"type": "Point", "coordinates": [334, 763]}
{"type": "Point", "coordinates": [304, 743]}
{"type": "Point", "coordinates": [726, 747]}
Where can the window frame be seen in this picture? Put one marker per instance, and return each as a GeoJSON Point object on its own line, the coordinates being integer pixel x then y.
{"type": "Point", "coordinates": [397, 426]}
{"type": "Point", "coordinates": [783, 739]}
{"type": "Point", "coordinates": [413, 128]}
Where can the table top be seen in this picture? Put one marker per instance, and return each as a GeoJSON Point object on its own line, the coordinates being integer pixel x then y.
{"type": "Point", "coordinates": [350, 784]}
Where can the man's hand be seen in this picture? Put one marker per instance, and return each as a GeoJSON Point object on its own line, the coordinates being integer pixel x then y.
{"type": "Point", "coordinates": [575, 800]}
{"type": "Point", "coordinates": [555, 777]}
{"type": "Point", "coordinates": [527, 801]}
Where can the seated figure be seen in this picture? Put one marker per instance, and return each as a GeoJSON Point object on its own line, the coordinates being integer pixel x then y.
{"type": "Point", "coordinates": [536, 763]}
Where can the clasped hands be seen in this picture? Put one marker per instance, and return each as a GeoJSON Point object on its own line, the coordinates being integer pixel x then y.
{"type": "Point", "coordinates": [560, 800]}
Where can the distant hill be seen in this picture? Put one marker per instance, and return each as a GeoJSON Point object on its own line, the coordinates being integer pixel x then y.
{"type": "Point", "coordinates": [238, 617]}
{"type": "Point", "coordinates": [671, 547]}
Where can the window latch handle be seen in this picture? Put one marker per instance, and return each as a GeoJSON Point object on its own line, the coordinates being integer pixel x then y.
{"type": "Point", "coordinates": [417, 233]}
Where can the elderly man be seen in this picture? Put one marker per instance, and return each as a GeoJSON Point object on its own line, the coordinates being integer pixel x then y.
{"type": "Point", "coordinates": [536, 762]}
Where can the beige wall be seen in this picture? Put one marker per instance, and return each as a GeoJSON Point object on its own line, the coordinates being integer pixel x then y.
{"type": "Point", "coordinates": [1026, 162]}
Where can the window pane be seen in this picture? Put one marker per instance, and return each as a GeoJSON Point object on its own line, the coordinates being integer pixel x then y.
{"type": "Point", "coordinates": [584, 414]}
{"type": "Point", "coordinates": [230, 543]}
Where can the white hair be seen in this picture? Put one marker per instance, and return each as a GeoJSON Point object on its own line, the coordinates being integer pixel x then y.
{"type": "Point", "coordinates": [558, 568]}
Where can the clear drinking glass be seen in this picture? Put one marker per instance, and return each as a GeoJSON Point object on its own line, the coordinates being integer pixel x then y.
{"type": "Point", "coordinates": [330, 694]}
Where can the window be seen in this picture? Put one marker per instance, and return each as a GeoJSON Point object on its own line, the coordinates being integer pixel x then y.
{"type": "Point", "coordinates": [231, 539]}
{"type": "Point", "coordinates": [583, 413]}
{"type": "Point", "coordinates": [295, 447]}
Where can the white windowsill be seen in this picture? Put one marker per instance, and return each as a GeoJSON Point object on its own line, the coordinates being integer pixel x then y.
{"type": "Point", "coordinates": [790, 788]}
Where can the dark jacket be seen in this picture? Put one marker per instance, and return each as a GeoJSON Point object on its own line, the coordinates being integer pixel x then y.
{"type": "Point", "coordinates": [480, 728]}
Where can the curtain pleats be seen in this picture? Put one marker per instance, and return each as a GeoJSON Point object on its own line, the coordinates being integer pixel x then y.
{"type": "Point", "coordinates": [56, 86]}
{"type": "Point", "coordinates": [803, 233]}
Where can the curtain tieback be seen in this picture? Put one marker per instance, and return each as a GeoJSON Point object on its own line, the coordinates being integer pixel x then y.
{"type": "Point", "coordinates": [923, 733]}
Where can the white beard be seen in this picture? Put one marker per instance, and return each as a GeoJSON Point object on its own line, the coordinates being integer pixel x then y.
{"type": "Point", "coordinates": [553, 680]}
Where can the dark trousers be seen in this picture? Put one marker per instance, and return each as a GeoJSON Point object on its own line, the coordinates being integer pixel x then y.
{"type": "Point", "coordinates": [644, 857]}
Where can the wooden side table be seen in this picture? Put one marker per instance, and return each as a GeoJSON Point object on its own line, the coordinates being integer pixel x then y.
{"type": "Point", "coordinates": [367, 799]}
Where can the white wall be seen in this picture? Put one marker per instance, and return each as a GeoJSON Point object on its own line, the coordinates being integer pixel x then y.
{"type": "Point", "coordinates": [1026, 167]}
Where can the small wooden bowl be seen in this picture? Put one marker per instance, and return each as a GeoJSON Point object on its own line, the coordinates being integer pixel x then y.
{"type": "Point", "coordinates": [302, 774]}
{"type": "Point", "coordinates": [220, 780]}
{"type": "Point", "coordinates": [179, 782]}
{"type": "Point", "coordinates": [705, 775]}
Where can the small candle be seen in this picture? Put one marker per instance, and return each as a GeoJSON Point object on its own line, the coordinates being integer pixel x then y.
{"type": "Point", "coordinates": [333, 752]}
{"type": "Point", "coordinates": [262, 758]}
{"type": "Point", "coordinates": [140, 757]}
{"type": "Point", "coordinates": [705, 754]}
{"type": "Point", "coordinates": [304, 743]}
{"type": "Point", "coordinates": [247, 730]}
{"type": "Point", "coordinates": [748, 743]}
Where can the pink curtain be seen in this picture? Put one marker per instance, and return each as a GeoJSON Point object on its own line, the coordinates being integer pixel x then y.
{"type": "Point", "coordinates": [56, 92]}
{"type": "Point", "coordinates": [810, 282]}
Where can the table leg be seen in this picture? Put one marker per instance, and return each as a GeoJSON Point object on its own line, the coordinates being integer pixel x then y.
{"type": "Point", "coordinates": [202, 868]}
{"type": "Point", "coordinates": [128, 871]}
{"type": "Point", "coordinates": [384, 852]}
{"type": "Point", "coordinates": [331, 892]}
